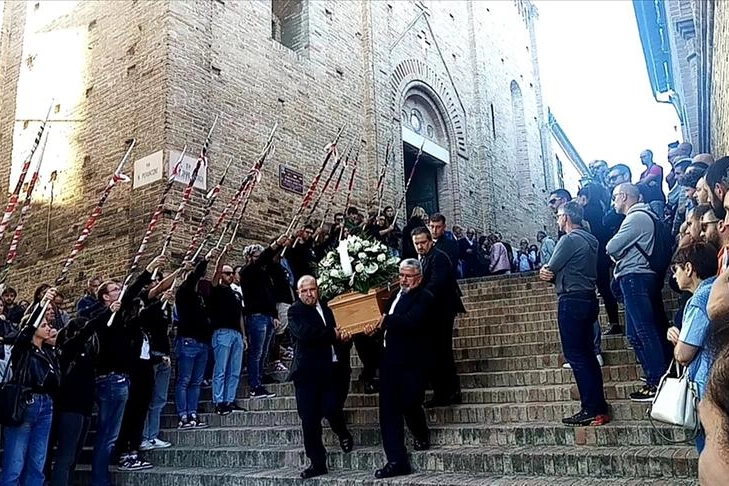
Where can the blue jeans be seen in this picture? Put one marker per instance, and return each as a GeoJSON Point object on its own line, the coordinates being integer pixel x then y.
{"type": "Point", "coordinates": [192, 357]}
{"type": "Point", "coordinates": [641, 316]}
{"type": "Point", "coordinates": [26, 444]}
{"type": "Point", "coordinates": [112, 392]}
{"type": "Point", "coordinates": [162, 373]}
{"type": "Point", "coordinates": [228, 351]}
{"type": "Point", "coordinates": [577, 313]}
{"type": "Point", "coordinates": [260, 331]}
{"type": "Point", "coordinates": [597, 337]}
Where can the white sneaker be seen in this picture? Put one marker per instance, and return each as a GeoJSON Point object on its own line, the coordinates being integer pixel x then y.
{"type": "Point", "coordinates": [148, 445]}
{"type": "Point", "coordinates": [599, 360]}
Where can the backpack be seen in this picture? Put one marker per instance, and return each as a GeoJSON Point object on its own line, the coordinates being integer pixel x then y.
{"type": "Point", "coordinates": [660, 259]}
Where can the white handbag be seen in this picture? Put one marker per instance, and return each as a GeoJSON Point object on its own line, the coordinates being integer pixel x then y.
{"type": "Point", "coordinates": [676, 399]}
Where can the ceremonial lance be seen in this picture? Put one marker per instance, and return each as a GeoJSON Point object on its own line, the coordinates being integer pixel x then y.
{"type": "Point", "coordinates": [24, 212]}
{"type": "Point", "coordinates": [410, 179]}
{"type": "Point", "coordinates": [15, 195]}
{"type": "Point", "coordinates": [187, 193]}
{"type": "Point", "coordinates": [116, 177]}
{"type": "Point", "coordinates": [151, 226]}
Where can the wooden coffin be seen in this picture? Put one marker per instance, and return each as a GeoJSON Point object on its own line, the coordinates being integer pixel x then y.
{"type": "Point", "coordinates": [353, 310]}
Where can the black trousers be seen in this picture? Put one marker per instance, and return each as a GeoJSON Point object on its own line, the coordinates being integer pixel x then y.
{"type": "Point", "coordinates": [141, 386]}
{"type": "Point", "coordinates": [443, 374]}
{"type": "Point", "coordinates": [317, 399]}
{"type": "Point", "coordinates": [603, 286]}
{"type": "Point", "coordinates": [402, 392]}
{"type": "Point", "coordinates": [369, 349]}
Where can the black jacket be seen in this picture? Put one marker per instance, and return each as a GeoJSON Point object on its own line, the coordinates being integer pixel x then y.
{"type": "Point", "coordinates": [450, 248]}
{"type": "Point", "coordinates": [313, 341]}
{"type": "Point", "coordinates": [404, 341]}
{"type": "Point", "coordinates": [119, 344]}
{"type": "Point", "coordinates": [191, 310]}
{"type": "Point", "coordinates": [439, 277]}
{"type": "Point", "coordinates": [78, 352]}
{"type": "Point", "coordinates": [302, 259]}
{"type": "Point", "coordinates": [35, 368]}
{"type": "Point", "coordinates": [256, 281]}
{"type": "Point", "coordinates": [281, 286]}
{"type": "Point", "coordinates": [157, 324]}
{"type": "Point", "coordinates": [408, 249]}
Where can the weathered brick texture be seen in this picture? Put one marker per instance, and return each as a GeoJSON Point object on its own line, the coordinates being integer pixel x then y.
{"type": "Point", "coordinates": [161, 71]}
{"type": "Point", "coordinates": [720, 82]}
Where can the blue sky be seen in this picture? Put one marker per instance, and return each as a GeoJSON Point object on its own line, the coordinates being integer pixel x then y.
{"type": "Point", "coordinates": [595, 81]}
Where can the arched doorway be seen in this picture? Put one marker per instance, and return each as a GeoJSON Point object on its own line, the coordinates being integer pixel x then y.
{"type": "Point", "coordinates": [422, 126]}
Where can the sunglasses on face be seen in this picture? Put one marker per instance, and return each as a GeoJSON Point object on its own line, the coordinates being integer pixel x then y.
{"type": "Point", "coordinates": [553, 201]}
{"type": "Point", "coordinates": [227, 273]}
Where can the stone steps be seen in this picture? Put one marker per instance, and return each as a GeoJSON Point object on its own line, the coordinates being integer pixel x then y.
{"type": "Point", "coordinates": [508, 431]}
{"type": "Point", "coordinates": [610, 462]}
{"type": "Point", "coordinates": [536, 434]}
{"type": "Point", "coordinates": [492, 413]}
{"type": "Point", "coordinates": [191, 476]}
{"type": "Point", "coordinates": [517, 394]}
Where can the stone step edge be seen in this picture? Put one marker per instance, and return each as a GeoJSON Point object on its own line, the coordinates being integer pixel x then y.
{"type": "Point", "coordinates": [350, 477]}
{"type": "Point", "coordinates": [617, 424]}
{"type": "Point", "coordinates": [593, 451]}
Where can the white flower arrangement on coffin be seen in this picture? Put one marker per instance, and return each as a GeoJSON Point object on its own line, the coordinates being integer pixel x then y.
{"type": "Point", "coordinates": [357, 265]}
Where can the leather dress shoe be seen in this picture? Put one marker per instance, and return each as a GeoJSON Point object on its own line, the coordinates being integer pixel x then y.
{"type": "Point", "coordinates": [393, 469]}
{"type": "Point", "coordinates": [313, 471]}
{"type": "Point", "coordinates": [346, 442]}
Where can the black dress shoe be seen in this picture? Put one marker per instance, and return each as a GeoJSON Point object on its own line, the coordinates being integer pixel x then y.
{"type": "Point", "coordinates": [437, 402]}
{"type": "Point", "coordinates": [421, 445]}
{"type": "Point", "coordinates": [614, 330]}
{"type": "Point", "coordinates": [313, 471]}
{"type": "Point", "coordinates": [393, 469]}
{"type": "Point", "coordinates": [346, 442]}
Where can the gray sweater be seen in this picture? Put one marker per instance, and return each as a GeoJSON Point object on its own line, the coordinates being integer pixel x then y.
{"type": "Point", "coordinates": [574, 262]}
{"type": "Point", "coordinates": [636, 229]}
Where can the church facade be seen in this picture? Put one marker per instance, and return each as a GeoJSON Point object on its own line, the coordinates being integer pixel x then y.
{"type": "Point", "coordinates": [458, 79]}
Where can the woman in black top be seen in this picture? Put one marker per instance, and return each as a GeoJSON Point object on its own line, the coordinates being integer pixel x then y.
{"type": "Point", "coordinates": [417, 219]}
{"type": "Point", "coordinates": [78, 346]}
{"type": "Point", "coordinates": [35, 365]}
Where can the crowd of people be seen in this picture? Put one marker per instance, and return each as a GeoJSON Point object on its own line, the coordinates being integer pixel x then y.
{"type": "Point", "coordinates": [623, 239]}
{"type": "Point", "coordinates": [114, 356]}
{"type": "Point", "coordinates": [616, 239]}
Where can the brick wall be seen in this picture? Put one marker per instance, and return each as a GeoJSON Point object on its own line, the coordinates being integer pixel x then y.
{"type": "Point", "coordinates": [162, 71]}
{"type": "Point", "coordinates": [720, 82]}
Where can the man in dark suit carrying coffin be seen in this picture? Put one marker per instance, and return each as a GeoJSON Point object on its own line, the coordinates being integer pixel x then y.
{"type": "Point", "coordinates": [402, 379]}
{"type": "Point", "coordinates": [320, 372]}
{"type": "Point", "coordinates": [439, 277]}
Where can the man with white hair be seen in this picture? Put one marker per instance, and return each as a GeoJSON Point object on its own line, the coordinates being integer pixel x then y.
{"type": "Point", "coordinates": [402, 377]}
{"type": "Point", "coordinates": [320, 372]}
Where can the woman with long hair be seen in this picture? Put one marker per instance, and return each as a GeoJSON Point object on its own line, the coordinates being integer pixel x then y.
{"type": "Point", "coordinates": [35, 366]}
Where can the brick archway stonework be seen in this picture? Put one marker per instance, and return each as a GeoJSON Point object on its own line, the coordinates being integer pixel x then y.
{"type": "Point", "coordinates": [414, 72]}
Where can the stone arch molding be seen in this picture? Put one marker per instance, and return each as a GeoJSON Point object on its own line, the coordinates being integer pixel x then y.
{"type": "Point", "coordinates": [415, 73]}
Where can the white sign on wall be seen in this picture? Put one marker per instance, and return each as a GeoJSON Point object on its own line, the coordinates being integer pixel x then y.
{"type": "Point", "coordinates": [188, 165]}
{"type": "Point", "coordinates": [148, 169]}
